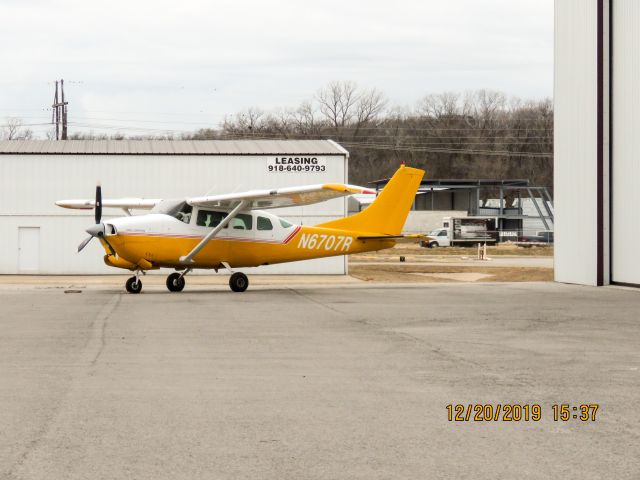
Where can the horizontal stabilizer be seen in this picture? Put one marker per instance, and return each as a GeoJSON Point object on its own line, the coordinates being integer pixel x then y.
{"type": "Point", "coordinates": [128, 203]}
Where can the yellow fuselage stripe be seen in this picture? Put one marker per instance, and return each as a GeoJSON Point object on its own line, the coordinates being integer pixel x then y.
{"type": "Point", "coordinates": [163, 250]}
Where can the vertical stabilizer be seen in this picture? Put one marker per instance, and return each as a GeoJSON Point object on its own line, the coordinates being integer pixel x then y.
{"type": "Point", "coordinates": [388, 212]}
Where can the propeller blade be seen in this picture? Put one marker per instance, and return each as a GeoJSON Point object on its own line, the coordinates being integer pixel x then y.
{"type": "Point", "coordinates": [84, 243]}
{"type": "Point", "coordinates": [98, 207]}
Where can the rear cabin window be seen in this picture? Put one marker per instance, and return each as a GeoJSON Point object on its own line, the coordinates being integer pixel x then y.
{"type": "Point", "coordinates": [242, 221]}
{"type": "Point", "coordinates": [208, 218]}
{"type": "Point", "coordinates": [264, 224]}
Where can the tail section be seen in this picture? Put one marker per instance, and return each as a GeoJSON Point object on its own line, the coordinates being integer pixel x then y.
{"type": "Point", "coordinates": [388, 212]}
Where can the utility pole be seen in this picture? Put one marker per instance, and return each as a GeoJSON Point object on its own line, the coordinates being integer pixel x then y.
{"type": "Point", "coordinates": [59, 112]}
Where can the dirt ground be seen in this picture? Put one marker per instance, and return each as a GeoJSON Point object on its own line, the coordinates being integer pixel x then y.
{"type": "Point", "coordinates": [419, 265]}
{"type": "Point", "coordinates": [502, 249]}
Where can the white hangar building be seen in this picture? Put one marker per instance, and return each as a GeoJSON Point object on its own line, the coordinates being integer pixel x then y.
{"type": "Point", "coordinates": [37, 237]}
{"type": "Point", "coordinates": [597, 141]}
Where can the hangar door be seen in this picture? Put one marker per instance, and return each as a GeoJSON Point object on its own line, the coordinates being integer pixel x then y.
{"type": "Point", "coordinates": [625, 158]}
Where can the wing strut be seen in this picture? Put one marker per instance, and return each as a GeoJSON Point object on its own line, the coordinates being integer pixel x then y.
{"type": "Point", "coordinates": [225, 221]}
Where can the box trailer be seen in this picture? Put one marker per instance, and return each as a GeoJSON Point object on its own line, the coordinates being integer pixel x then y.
{"type": "Point", "coordinates": [463, 231]}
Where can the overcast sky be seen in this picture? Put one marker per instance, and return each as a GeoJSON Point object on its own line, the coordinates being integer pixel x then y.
{"type": "Point", "coordinates": [183, 65]}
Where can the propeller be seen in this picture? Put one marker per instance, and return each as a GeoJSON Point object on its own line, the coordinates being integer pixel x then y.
{"type": "Point", "coordinates": [97, 230]}
{"type": "Point", "coordinates": [98, 205]}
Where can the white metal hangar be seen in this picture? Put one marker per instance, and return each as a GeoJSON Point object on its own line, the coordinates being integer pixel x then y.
{"type": "Point", "coordinates": [597, 145]}
{"type": "Point", "coordinates": [36, 237]}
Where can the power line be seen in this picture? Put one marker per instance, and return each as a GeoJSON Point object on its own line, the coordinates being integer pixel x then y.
{"type": "Point", "coordinates": [447, 150]}
{"type": "Point", "coordinates": [379, 138]}
{"type": "Point", "coordinates": [483, 137]}
{"type": "Point", "coordinates": [121, 127]}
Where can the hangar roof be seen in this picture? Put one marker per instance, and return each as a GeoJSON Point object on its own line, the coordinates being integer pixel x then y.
{"type": "Point", "coordinates": [171, 147]}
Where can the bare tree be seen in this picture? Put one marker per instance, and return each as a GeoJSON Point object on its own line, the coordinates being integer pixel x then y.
{"type": "Point", "coordinates": [13, 130]}
{"type": "Point", "coordinates": [337, 102]}
{"type": "Point", "coordinates": [438, 106]}
{"type": "Point", "coordinates": [248, 121]}
{"type": "Point", "coordinates": [369, 106]}
{"type": "Point", "coordinates": [304, 119]}
{"type": "Point", "coordinates": [486, 107]}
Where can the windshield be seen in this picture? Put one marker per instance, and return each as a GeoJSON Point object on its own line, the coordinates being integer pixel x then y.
{"type": "Point", "coordinates": [434, 233]}
{"type": "Point", "coordinates": [176, 208]}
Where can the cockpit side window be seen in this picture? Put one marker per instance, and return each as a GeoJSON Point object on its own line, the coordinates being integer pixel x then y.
{"type": "Point", "coordinates": [209, 218]}
{"type": "Point", "coordinates": [212, 218]}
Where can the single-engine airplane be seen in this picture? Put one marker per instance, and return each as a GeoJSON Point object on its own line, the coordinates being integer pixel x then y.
{"type": "Point", "coordinates": [233, 230]}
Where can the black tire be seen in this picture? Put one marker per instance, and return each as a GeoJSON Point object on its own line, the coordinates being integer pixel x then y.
{"type": "Point", "coordinates": [134, 285]}
{"type": "Point", "coordinates": [175, 282]}
{"type": "Point", "coordinates": [238, 282]}
{"type": "Point", "coordinates": [433, 245]}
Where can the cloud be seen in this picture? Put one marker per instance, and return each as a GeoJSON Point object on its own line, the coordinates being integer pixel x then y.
{"type": "Point", "coordinates": [202, 59]}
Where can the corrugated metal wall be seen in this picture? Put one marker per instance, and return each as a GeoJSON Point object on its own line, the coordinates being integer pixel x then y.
{"type": "Point", "coordinates": [575, 165]}
{"type": "Point", "coordinates": [30, 184]}
{"type": "Point", "coordinates": [625, 172]}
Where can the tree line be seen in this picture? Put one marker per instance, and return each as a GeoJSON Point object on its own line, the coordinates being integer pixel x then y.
{"type": "Point", "coordinates": [475, 134]}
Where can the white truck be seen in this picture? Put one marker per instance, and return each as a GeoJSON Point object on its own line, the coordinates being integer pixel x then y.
{"type": "Point", "coordinates": [463, 231]}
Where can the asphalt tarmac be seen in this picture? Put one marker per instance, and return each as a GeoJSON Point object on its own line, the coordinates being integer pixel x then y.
{"type": "Point", "coordinates": [317, 382]}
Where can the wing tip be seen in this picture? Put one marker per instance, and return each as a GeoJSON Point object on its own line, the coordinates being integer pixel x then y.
{"type": "Point", "coordinates": [339, 187]}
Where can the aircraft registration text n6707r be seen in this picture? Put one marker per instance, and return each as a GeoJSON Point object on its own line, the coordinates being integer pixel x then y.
{"type": "Point", "coordinates": [329, 242]}
{"type": "Point", "coordinates": [231, 231]}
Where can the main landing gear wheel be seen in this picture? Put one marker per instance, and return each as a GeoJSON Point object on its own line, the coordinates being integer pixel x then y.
{"type": "Point", "coordinates": [134, 285]}
{"type": "Point", "coordinates": [175, 282]}
{"type": "Point", "coordinates": [238, 282]}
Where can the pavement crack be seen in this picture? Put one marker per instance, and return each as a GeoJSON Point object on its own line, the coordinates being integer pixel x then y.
{"type": "Point", "coordinates": [100, 324]}
{"type": "Point", "coordinates": [317, 302]}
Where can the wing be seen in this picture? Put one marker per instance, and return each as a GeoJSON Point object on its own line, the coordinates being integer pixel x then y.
{"type": "Point", "coordinates": [124, 203]}
{"type": "Point", "coordinates": [281, 197]}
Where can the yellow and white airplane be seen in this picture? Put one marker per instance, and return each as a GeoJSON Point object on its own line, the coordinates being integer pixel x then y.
{"type": "Point", "coordinates": [233, 231]}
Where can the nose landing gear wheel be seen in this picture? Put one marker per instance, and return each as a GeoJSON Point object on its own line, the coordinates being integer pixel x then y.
{"type": "Point", "coordinates": [238, 282]}
{"type": "Point", "coordinates": [175, 282]}
{"type": "Point", "coordinates": [134, 285]}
